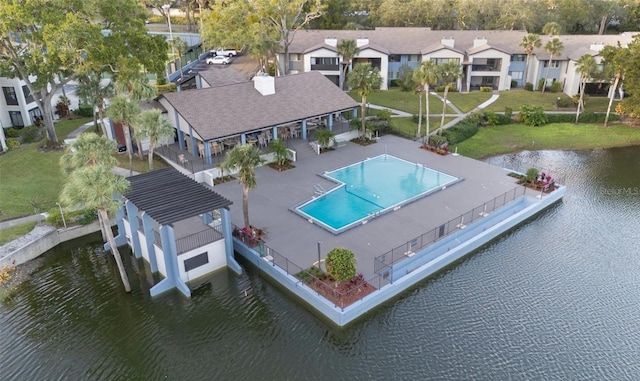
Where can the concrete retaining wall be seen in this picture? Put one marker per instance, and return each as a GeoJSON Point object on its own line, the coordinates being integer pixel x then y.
{"type": "Point", "coordinates": [513, 216]}
{"type": "Point", "coordinates": [47, 242]}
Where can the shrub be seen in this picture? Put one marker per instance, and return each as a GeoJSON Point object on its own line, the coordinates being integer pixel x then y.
{"type": "Point", "coordinates": [384, 114]}
{"type": "Point", "coordinates": [452, 88]}
{"type": "Point", "coordinates": [531, 175]}
{"type": "Point", "coordinates": [589, 117]}
{"type": "Point", "coordinates": [405, 78]}
{"type": "Point", "coordinates": [85, 110]}
{"type": "Point", "coordinates": [541, 84]}
{"type": "Point", "coordinates": [12, 144]}
{"type": "Point", "coordinates": [490, 119]}
{"type": "Point", "coordinates": [508, 111]}
{"type": "Point", "coordinates": [462, 131]}
{"type": "Point", "coordinates": [437, 140]}
{"type": "Point", "coordinates": [29, 134]}
{"type": "Point", "coordinates": [533, 115]}
{"type": "Point", "coordinates": [514, 84]}
{"type": "Point", "coordinates": [528, 86]}
{"type": "Point", "coordinates": [11, 132]}
{"type": "Point", "coordinates": [563, 101]}
{"type": "Point", "coordinates": [62, 109]}
{"type": "Point", "coordinates": [166, 88]}
{"type": "Point", "coordinates": [341, 264]}
{"type": "Point", "coordinates": [486, 89]}
{"type": "Point", "coordinates": [561, 118]}
{"type": "Point", "coordinates": [556, 87]}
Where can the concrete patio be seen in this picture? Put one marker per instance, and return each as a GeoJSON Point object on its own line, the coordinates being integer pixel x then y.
{"type": "Point", "coordinates": [296, 239]}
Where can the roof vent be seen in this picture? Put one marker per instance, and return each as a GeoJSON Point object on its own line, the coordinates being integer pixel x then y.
{"type": "Point", "coordinates": [331, 41]}
{"type": "Point", "coordinates": [362, 41]}
{"type": "Point", "coordinates": [447, 41]}
{"type": "Point", "coordinates": [479, 41]}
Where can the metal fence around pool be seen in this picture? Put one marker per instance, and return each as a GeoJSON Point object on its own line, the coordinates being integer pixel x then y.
{"type": "Point", "coordinates": [384, 262]}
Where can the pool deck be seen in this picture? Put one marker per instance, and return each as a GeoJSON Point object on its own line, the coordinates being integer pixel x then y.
{"type": "Point", "coordinates": [294, 237]}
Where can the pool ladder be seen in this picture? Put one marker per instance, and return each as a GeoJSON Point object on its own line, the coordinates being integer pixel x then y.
{"type": "Point", "coordinates": [319, 190]}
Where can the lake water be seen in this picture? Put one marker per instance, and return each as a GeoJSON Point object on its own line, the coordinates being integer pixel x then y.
{"type": "Point", "coordinates": [555, 299]}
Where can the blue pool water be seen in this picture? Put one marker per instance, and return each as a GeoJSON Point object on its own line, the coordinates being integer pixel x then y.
{"type": "Point", "coordinates": [371, 187]}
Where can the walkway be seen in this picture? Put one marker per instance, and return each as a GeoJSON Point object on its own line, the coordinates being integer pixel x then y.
{"type": "Point", "coordinates": [458, 116]}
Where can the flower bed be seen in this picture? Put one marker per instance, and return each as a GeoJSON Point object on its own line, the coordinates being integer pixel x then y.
{"type": "Point", "coordinates": [342, 294]}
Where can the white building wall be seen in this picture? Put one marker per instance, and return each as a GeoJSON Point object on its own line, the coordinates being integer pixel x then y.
{"type": "Point", "coordinates": [322, 52]}
{"type": "Point", "coordinates": [384, 64]}
{"type": "Point", "coordinates": [143, 245]}
{"type": "Point", "coordinates": [217, 260]}
{"type": "Point", "coordinates": [23, 107]}
{"type": "Point", "coordinates": [504, 82]}
{"type": "Point", "coordinates": [162, 267]}
{"type": "Point", "coordinates": [572, 79]}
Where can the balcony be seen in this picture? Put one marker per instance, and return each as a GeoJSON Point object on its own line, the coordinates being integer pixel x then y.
{"type": "Point", "coordinates": [485, 67]}
{"type": "Point", "coordinates": [325, 67]}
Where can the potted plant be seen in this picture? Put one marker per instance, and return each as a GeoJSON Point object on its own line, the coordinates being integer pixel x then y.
{"type": "Point", "coordinates": [324, 138]}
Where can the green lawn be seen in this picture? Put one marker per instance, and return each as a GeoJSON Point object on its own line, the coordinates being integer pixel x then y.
{"type": "Point", "coordinates": [468, 101]}
{"type": "Point", "coordinates": [9, 234]}
{"type": "Point", "coordinates": [516, 98]}
{"type": "Point", "coordinates": [30, 180]}
{"type": "Point", "coordinates": [409, 127]}
{"type": "Point", "coordinates": [405, 101]}
{"type": "Point", "coordinates": [560, 136]}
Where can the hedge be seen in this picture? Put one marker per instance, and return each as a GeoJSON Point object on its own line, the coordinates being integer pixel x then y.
{"type": "Point", "coordinates": [462, 131]}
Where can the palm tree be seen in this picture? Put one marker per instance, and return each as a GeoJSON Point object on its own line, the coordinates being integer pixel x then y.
{"type": "Point", "coordinates": [151, 124]}
{"type": "Point", "coordinates": [425, 75]}
{"type": "Point", "coordinates": [179, 46]}
{"type": "Point", "coordinates": [586, 66]}
{"type": "Point", "coordinates": [244, 158]}
{"type": "Point", "coordinates": [553, 47]}
{"type": "Point", "coordinates": [551, 28]}
{"type": "Point", "coordinates": [325, 137]}
{"type": "Point", "coordinates": [364, 79]}
{"type": "Point", "coordinates": [529, 42]}
{"type": "Point", "coordinates": [614, 60]}
{"type": "Point", "coordinates": [92, 184]}
{"type": "Point", "coordinates": [448, 73]}
{"type": "Point", "coordinates": [88, 150]}
{"type": "Point", "coordinates": [280, 151]}
{"type": "Point", "coordinates": [347, 49]}
{"type": "Point", "coordinates": [91, 91]}
{"type": "Point", "coordinates": [94, 187]}
{"type": "Point", "coordinates": [123, 111]}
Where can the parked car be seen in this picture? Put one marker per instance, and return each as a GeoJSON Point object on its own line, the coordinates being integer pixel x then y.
{"type": "Point", "coordinates": [218, 60]}
{"type": "Point", "coordinates": [225, 52]}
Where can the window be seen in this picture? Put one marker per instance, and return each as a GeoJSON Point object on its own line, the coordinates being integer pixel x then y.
{"type": "Point", "coordinates": [440, 61]}
{"type": "Point", "coordinates": [324, 60]}
{"type": "Point", "coordinates": [554, 64]}
{"type": "Point", "coordinates": [294, 57]}
{"type": "Point", "coordinates": [27, 94]}
{"type": "Point", "coordinates": [195, 262]}
{"type": "Point", "coordinates": [394, 58]}
{"type": "Point", "coordinates": [36, 115]}
{"type": "Point", "coordinates": [393, 75]}
{"type": "Point", "coordinates": [517, 75]}
{"type": "Point", "coordinates": [10, 96]}
{"type": "Point", "coordinates": [414, 58]}
{"type": "Point", "coordinates": [16, 118]}
{"type": "Point", "coordinates": [518, 58]}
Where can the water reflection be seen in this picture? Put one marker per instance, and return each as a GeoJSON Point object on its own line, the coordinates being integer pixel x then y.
{"type": "Point", "coordinates": [549, 300]}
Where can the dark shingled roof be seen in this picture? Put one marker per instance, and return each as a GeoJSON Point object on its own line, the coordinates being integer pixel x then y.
{"type": "Point", "coordinates": [168, 196]}
{"type": "Point", "coordinates": [222, 75]}
{"type": "Point", "coordinates": [228, 110]}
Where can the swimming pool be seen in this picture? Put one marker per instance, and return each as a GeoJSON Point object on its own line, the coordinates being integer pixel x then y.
{"type": "Point", "coordinates": [369, 188]}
